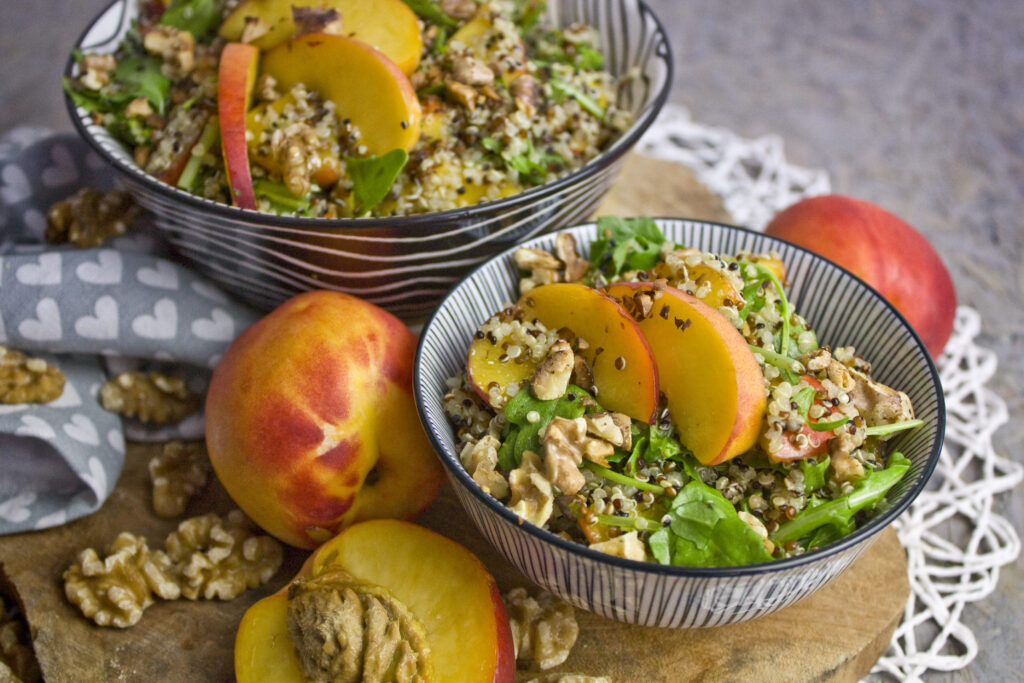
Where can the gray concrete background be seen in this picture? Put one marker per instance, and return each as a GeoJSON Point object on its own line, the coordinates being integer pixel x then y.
{"type": "Point", "coordinates": [916, 106]}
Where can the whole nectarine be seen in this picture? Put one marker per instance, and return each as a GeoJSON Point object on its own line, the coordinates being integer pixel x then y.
{"type": "Point", "coordinates": [310, 419]}
{"type": "Point", "coordinates": [884, 251]}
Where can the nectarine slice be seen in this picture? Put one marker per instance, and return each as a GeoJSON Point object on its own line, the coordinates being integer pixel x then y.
{"type": "Point", "coordinates": [625, 376]}
{"type": "Point", "coordinates": [477, 35]}
{"type": "Point", "coordinates": [235, 81]}
{"type": "Point", "coordinates": [443, 585]}
{"type": "Point", "coordinates": [713, 383]}
{"type": "Point", "coordinates": [388, 25]}
{"type": "Point", "coordinates": [365, 86]}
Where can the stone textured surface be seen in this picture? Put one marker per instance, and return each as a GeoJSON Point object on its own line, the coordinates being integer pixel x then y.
{"type": "Point", "coordinates": [916, 106]}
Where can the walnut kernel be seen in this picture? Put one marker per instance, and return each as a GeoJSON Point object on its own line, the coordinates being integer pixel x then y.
{"type": "Point", "coordinates": [16, 653]}
{"type": "Point", "coordinates": [179, 472]}
{"type": "Point", "coordinates": [88, 218]}
{"type": "Point", "coordinates": [149, 396]}
{"type": "Point", "coordinates": [28, 380]}
{"type": "Point", "coordinates": [544, 628]}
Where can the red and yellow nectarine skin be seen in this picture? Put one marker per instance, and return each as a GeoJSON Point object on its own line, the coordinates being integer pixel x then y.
{"type": "Point", "coordinates": [447, 589]}
{"type": "Point", "coordinates": [239, 64]}
{"type": "Point", "coordinates": [388, 25]}
{"type": "Point", "coordinates": [311, 423]}
{"type": "Point", "coordinates": [710, 378]}
{"type": "Point", "coordinates": [365, 86]}
{"type": "Point", "coordinates": [884, 251]}
{"type": "Point", "coordinates": [619, 356]}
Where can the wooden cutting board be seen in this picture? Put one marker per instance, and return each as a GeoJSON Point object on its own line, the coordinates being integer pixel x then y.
{"type": "Point", "coordinates": [836, 634]}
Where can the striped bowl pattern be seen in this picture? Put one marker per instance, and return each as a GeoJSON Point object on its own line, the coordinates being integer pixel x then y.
{"type": "Point", "coordinates": [843, 310]}
{"type": "Point", "coordinates": [404, 264]}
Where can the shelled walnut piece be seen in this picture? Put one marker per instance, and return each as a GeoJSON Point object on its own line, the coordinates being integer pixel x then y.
{"type": "Point", "coordinates": [207, 557]}
{"type": "Point", "coordinates": [345, 630]}
{"type": "Point", "coordinates": [28, 380]}
{"type": "Point", "coordinates": [221, 558]}
{"type": "Point", "coordinates": [149, 396]}
{"type": "Point", "coordinates": [178, 472]}
{"type": "Point", "coordinates": [89, 217]}
{"type": "Point", "coordinates": [544, 628]}
{"type": "Point", "coordinates": [17, 659]}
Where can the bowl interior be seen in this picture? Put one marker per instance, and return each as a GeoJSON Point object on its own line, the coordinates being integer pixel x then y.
{"type": "Point", "coordinates": [629, 33]}
{"type": "Point", "coordinates": [841, 308]}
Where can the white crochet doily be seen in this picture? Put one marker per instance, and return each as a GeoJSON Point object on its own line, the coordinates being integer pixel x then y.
{"type": "Point", "coordinates": [955, 543]}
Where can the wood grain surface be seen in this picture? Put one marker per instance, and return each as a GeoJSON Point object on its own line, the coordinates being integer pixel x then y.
{"type": "Point", "coordinates": [835, 634]}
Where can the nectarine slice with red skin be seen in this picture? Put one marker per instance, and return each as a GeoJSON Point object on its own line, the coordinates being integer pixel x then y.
{"type": "Point", "coordinates": [883, 250]}
{"type": "Point", "coordinates": [311, 423]}
{"type": "Point", "coordinates": [625, 375]}
{"type": "Point", "coordinates": [365, 86]}
{"type": "Point", "coordinates": [710, 378]}
{"type": "Point", "coordinates": [387, 25]}
{"type": "Point", "coordinates": [817, 440]}
{"type": "Point", "coordinates": [447, 589]}
{"type": "Point", "coordinates": [237, 76]}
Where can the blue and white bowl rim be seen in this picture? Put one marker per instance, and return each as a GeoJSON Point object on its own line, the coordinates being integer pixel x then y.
{"type": "Point", "coordinates": [872, 528]}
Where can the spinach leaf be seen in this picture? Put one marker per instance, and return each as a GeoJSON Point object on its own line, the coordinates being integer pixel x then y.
{"type": "Point", "coordinates": [198, 17]}
{"type": "Point", "coordinates": [141, 77]}
{"type": "Point", "coordinates": [626, 244]}
{"type": "Point", "coordinates": [430, 12]}
{"type": "Point", "coordinates": [705, 531]}
{"type": "Point", "coordinates": [838, 514]}
{"type": "Point", "coordinates": [280, 197]}
{"type": "Point", "coordinates": [373, 176]}
{"type": "Point", "coordinates": [524, 435]}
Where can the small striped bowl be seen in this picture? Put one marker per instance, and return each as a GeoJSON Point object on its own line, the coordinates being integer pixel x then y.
{"type": "Point", "coordinates": [843, 310]}
{"type": "Point", "coordinates": [404, 264]}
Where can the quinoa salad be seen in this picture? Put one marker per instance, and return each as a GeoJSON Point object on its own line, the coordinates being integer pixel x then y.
{"type": "Point", "coordinates": [533, 431]}
{"type": "Point", "coordinates": [492, 102]}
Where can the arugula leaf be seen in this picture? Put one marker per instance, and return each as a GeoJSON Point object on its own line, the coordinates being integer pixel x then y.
{"type": "Point", "coordinates": [530, 15]}
{"type": "Point", "coordinates": [814, 473]}
{"type": "Point", "coordinates": [524, 435]}
{"type": "Point", "coordinates": [141, 77]}
{"type": "Point", "coordinates": [532, 165]}
{"type": "Point", "coordinates": [625, 480]}
{"type": "Point", "coordinates": [561, 89]}
{"type": "Point", "coordinates": [886, 430]}
{"type": "Point", "coordinates": [207, 139]}
{"type": "Point", "coordinates": [280, 197]}
{"type": "Point", "coordinates": [429, 11]}
{"type": "Point", "coordinates": [588, 59]}
{"type": "Point", "coordinates": [804, 399]}
{"type": "Point", "coordinates": [198, 17]}
{"type": "Point", "coordinates": [626, 243]}
{"type": "Point", "coordinates": [705, 531]}
{"type": "Point", "coordinates": [838, 513]}
{"type": "Point", "coordinates": [373, 176]}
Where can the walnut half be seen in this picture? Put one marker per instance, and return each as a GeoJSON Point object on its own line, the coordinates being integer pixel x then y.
{"type": "Point", "coordinates": [28, 380]}
{"type": "Point", "coordinates": [179, 472]}
{"type": "Point", "coordinates": [149, 396]}
{"type": "Point", "coordinates": [17, 658]}
{"type": "Point", "coordinates": [88, 218]}
{"type": "Point", "coordinates": [544, 628]}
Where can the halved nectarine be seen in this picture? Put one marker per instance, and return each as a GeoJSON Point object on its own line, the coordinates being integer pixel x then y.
{"type": "Point", "coordinates": [625, 376]}
{"type": "Point", "coordinates": [365, 86]}
{"type": "Point", "coordinates": [388, 25]}
{"type": "Point", "coordinates": [713, 384]}
{"type": "Point", "coordinates": [445, 588]}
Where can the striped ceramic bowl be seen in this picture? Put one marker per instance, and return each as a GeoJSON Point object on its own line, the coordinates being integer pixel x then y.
{"type": "Point", "coordinates": [842, 309]}
{"type": "Point", "coordinates": [404, 264]}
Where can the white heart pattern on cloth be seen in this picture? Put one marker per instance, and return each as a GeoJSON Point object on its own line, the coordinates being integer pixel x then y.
{"type": "Point", "coordinates": [35, 221]}
{"type": "Point", "coordinates": [45, 271]}
{"type": "Point", "coordinates": [218, 327]}
{"type": "Point", "coordinates": [33, 425]}
{"type": "Point", "coordinates": [16, 509]}
{"type": "Point", "coordinates": [53, 519]}
{"type": "Point", "coordinates": [46, 327]}
{"type": "Point", "coordinates": [96, 477]}
{"type": "Point", "coordinates": [14, 185]}
{"type": "Point", "coordinates": [163, 324]}
{"type": "Point", "coordinates": [115, 437]}
{"type": "Point", "coordinates": [106, 270]}
{"type": "Point", "coordinates": [82, 430]}
{"type": "Point", "coordinates": [103, 325]}
{"type": "Point", "coordinates": [63, 171]}
{"type": "Point", "coordinates": [68, 399]}
{"type": "Point", "coordinates": [164, 276]}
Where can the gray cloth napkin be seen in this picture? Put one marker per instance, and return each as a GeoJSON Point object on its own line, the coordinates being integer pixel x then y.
{"type": "Point", "coordinates": [130, 304]}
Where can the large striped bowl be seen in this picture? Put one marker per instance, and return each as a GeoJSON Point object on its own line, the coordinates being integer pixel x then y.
{"type": "Point", "coordinates": [404, 264]}
{"type": "Point", "coordinates": [842, 309]}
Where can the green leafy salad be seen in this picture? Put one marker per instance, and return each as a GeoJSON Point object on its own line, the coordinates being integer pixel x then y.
{"type": "Point", "coordinates": [753, 443]}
